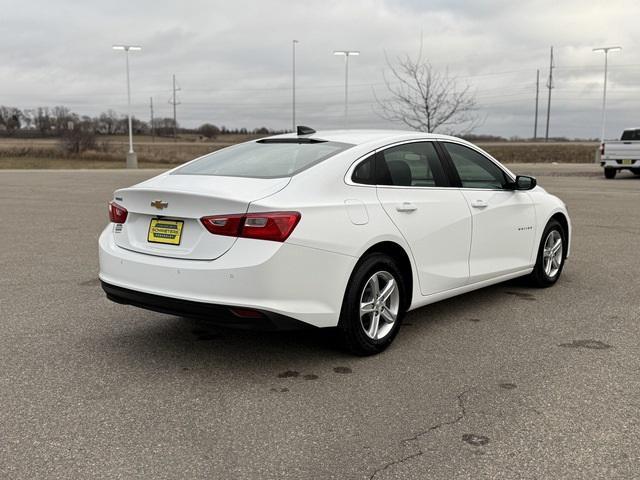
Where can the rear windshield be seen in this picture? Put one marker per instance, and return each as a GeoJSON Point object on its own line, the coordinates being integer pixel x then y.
{"type": "Point", "coordinates": [631, 135]}
{"type": "Point", "coordinates": [263, 160]}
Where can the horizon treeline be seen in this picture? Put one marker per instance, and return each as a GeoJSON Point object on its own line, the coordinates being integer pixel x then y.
{"type": "Point", "coordinates": [60, 120]}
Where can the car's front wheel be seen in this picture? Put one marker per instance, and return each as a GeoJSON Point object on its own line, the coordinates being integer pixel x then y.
{"type": "Point", "coordinates": [373, 305]}
{"type": "Point", "coordinates": [551, 256]}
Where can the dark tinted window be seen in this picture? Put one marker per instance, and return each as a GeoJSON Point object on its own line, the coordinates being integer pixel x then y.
{"type": "Point", "coordinates": [474, 169]}
{"type": "Point", "coordinates": [410, 165]}
{"type": "Point", "coordinates": [263, 160]}
{"type": "Point", "coordinates": [364, 172]}
{"type": "Point", "coordinates": [631, 135]}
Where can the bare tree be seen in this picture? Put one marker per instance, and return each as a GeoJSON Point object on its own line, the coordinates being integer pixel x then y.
{"type": "Point", "coordinates": [80, 137]}
{"type": "Point", "coordinates": [10, 119]}
{"type": "Point", "coordinates": [426, 99]}
{"type": "Point", "coordinates": [43, 121]}
{"type": "Point", "coordinates": [108, 121]}
{"type": "Point", "coordinates": [208, 130]}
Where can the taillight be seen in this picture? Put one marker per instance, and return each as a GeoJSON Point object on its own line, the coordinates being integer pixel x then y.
{"type": "Point", "coordinates": [275, 226]}
{"type": "Point", "coordinates": [117, 213]}
{"type": "Point", "coordinates": [223, 224]}
{"type": "Point", "coordinates": [602, 149]}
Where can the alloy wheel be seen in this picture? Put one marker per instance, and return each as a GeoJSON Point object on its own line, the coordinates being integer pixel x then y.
{"type": "Point", "coordinates": [552, 254]}
{"type": "Point", "coordinates": [379, 305]}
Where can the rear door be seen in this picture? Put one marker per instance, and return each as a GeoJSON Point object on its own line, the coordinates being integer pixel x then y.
{"type": "Point", "coordinates": [503, 219]}
{"type": "Point", "coordinates": [434, 219]}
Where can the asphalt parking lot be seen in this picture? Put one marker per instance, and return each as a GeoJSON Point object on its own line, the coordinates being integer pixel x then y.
{"type": "Point", "coordinates": [507, 382]}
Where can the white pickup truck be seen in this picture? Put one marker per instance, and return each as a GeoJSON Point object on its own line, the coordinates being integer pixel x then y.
{"type": "Point", "coordinates": [621, 154]}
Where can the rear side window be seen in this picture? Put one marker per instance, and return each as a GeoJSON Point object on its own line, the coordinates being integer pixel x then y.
{"type": "Point", "coordinates": [631, 135]}
{"type": "Point", "coordinates": [364, 173]}
{"type": "Point", "coordinates": [263, 160]}
{"type": "Point", "coordinates": [475, 170]}
{"type": "Point", "coordinates": [410, 165]}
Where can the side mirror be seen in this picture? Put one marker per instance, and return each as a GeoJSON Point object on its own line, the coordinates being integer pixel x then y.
{"type": "Point", "coordinates": [524, 182]}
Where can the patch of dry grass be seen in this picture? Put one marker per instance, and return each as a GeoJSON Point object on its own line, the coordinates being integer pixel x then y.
{"type": "Point", "coordinates": [567, 152]}
{"type": "Point", "coordinates": [165, 153]}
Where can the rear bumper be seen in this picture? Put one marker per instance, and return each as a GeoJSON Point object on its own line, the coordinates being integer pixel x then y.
{"type": "Point", "coordinates": [619, 164]}
{"type": "Point", "coordinates": [301, 283]}
{"type": "Point", "coordinates": [221, 315]}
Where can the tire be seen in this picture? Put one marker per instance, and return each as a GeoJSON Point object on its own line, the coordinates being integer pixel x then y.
{"type": "Point", "coordinates": [636, 171]}
{"type": "Point", "coordinates": [548, 268]}
{"type": "Point", "coordinates": [356, 329]}
{"type": "Point", "coordinates": [610, 172]}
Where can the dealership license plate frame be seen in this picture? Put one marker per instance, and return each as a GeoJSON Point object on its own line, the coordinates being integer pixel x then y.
{"type": "Point", "coordinates": [155, 236]}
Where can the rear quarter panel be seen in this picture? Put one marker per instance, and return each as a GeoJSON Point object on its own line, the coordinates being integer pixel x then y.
{"type": "Point", "coordinates": [336, 217]}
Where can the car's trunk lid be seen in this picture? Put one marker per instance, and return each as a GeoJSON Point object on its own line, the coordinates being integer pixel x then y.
{"type": "Point", "coordinates": [179, 201]}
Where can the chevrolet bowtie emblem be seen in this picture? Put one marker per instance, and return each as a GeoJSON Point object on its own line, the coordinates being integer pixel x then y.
{"type": "Point", "coordinates": [159, 204]}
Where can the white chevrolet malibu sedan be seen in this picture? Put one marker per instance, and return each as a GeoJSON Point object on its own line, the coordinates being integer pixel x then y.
{"type": "Point", "coordinates": [346, 229]}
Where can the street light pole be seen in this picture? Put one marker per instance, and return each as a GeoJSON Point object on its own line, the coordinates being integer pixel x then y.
{"type": "Point", "coordinates": [606, 51]}
{"type": "Point", "coordinates": [132, 159]}
{"type": "Point", "coordinates": [294, 87]}
{"type": "Point", "coordinates": [346, 54]}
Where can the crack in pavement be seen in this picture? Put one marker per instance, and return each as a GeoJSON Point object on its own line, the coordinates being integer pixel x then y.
{"type": "Point", "coordinates": [462, 412]}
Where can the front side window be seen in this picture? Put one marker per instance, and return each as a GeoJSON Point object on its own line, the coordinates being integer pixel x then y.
{"type": "Point", "coordinates": [263, 159]}
{"type": "Point", "coordinates": [410, 165]}
{"type": "Point", "coordinates": [474, 169]}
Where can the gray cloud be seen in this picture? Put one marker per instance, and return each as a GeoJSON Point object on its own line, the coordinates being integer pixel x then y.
{"type": "Point", "coordinates": [233, 59]}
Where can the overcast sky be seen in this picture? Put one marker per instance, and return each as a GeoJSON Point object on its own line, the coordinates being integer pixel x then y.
{"type": "Point", "coordinates": [232, 59]}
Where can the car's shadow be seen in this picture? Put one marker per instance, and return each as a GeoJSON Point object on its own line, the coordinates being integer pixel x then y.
{"type": "Point", "coordinates": [181, 342]}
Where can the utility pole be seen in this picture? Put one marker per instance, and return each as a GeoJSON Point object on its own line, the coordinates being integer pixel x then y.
{"type": "Point", "coordinates": [294, 86]}
{"type": "Point", "coordinates": [153, 131]}
{"type": "Point", "coordinates": [549, 86]}
{"type": "Point", "coordinates": [174, 103]}
{"type": "Point", "coordinates": [606, 51]}
{"type": "Point", "coordinates": [535, 123]}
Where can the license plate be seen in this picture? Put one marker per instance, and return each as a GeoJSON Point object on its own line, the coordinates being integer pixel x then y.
{"type": "Point", "coordinates": [165, 231]}
{"type": "Point", "coordinates": [627, 162]}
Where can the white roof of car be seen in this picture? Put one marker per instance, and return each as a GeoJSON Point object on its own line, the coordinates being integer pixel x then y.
{"type": "Point", "coordinates": [359, 137]}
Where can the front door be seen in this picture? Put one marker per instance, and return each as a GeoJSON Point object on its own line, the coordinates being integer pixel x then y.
{"type": "Point", "coordinates": [503, 219]}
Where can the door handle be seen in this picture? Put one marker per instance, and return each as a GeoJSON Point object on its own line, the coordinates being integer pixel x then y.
{"type": "Point", "coordinates": [406, 207]}
{"type": "Point", "coordinates": [479, 203]}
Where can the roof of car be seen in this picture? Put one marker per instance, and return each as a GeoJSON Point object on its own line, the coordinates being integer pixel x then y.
{"type": "Point", "coordinates": [360, 137]}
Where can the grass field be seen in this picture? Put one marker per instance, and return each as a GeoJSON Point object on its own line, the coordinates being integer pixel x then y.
{"type": "Point", "coordinates": [164, 152]}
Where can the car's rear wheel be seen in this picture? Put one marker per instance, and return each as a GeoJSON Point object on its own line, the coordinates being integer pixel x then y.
{"type": "Point", "coordinates": [373, 305]}
{"type": "Point", "coordinates": [551, 256]}
{"type": "Point", "coordinates": [610, 172]}
{"type": "Point", "coordinates": [636, 171]}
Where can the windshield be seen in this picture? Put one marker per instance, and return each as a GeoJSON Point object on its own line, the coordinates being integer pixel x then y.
{"type": "Point", "coordinates": [263, 159]}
